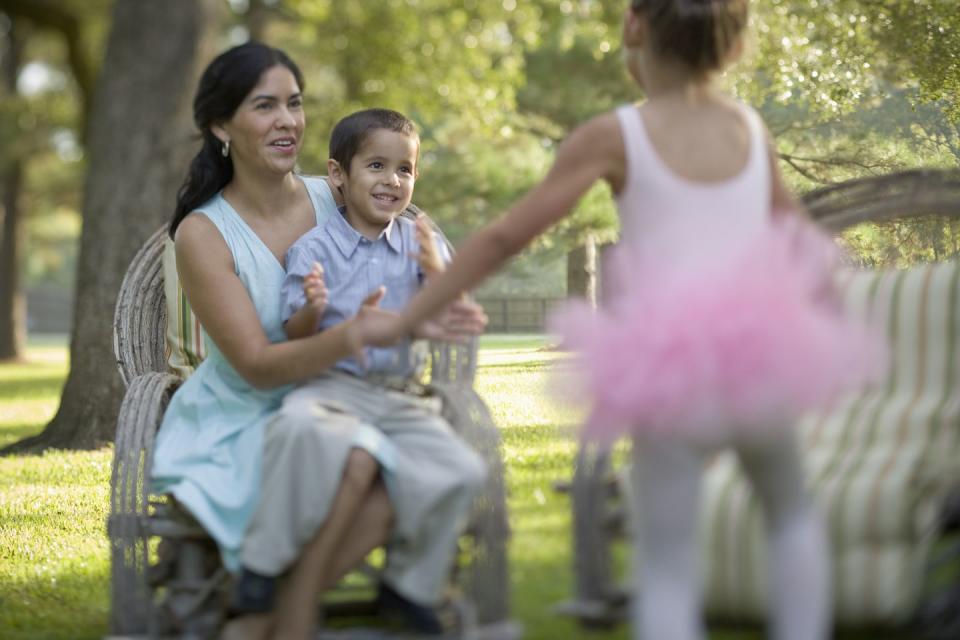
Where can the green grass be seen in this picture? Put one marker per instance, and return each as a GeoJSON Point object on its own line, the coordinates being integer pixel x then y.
{"type": "Point", "coordinates": [53, 546]}
{"type": "Point", "coordinates": [54, 568]}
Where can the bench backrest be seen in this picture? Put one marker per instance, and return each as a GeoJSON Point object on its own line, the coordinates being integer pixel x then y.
{"type": "Point", "coordinates": [881, 460]}
{"type": "Point", "coordinates": [140, 318]}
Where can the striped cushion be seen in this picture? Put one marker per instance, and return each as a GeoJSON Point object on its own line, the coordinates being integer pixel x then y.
{"type": "Point", "coordinates": [184, 344]}
{"type": "Point", "coordinates": [880, 462]}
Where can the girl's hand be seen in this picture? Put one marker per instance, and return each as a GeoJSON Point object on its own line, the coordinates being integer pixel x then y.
{"type": "Point", "coordinates": [428, 257]}
{"type": "Point", "coordinates": [458, 322]}
{"type": "Point", "coordinates": [315, 289]}
{"type": "Point", "coordinates": [373, 326]}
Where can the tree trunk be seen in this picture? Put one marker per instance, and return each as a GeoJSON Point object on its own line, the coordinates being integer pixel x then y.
{"type": "Point", "coordinates": [582, 270]}
{"type": "Point", "coordinates": [13, 308]}
{"type": "Point", "coordinates": [139, 144]}
{"type": "Point", "coordinates": [257, 19]}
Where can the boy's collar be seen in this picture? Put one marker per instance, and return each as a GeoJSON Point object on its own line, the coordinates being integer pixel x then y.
{"type": "Point", "coordinates": [347, 238]}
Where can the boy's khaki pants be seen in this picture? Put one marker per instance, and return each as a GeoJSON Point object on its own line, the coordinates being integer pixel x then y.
{"type": "Point", "coordinates": [431, 476]}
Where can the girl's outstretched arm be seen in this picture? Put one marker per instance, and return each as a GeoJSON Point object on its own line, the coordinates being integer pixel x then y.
{"type": "Point", "coordinates": [594, 151]}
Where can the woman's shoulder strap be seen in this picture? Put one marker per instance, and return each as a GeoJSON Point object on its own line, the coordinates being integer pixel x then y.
{"type": "Point", "coordinates": [213, 209]}
{"type": "Point", "coordinates": [318, 188]}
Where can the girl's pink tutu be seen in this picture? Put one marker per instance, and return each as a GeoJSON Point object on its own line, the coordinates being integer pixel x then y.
{"type": "Point", "coordinates": [747, 342]}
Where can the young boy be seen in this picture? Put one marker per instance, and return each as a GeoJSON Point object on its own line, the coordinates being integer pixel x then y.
{"type": "Point", "coordinates": [431, 475]}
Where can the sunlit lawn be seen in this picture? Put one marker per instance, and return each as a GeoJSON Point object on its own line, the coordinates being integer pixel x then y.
{"type": "Point", "coordinates": [53, 546]}
{"type": "Point", "coordinates": [54, 569]}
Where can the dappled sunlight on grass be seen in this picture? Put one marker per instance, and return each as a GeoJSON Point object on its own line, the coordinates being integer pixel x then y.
{"type": "Point", "coordinates": [72, 605]}
{"type": "Point", "coordinates": [53, 560]}
{"type": "Point", "coordinates": [54, 569]}
{"type": "Point", "coordinates": [517, 378]}
{"type": "Point", "coordinates": [29, 391]}
{"type": "Point", "coordinates": [518, 393]}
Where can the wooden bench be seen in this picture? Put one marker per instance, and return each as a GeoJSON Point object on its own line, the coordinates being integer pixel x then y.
{"type": "Point", "coordinates": [166, 577]}
{"type": "Point", "coordinates": [884, 464]}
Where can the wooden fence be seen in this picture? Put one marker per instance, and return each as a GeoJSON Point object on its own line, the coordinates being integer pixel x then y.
{"type": "Point", "coordinates": [517, 315]}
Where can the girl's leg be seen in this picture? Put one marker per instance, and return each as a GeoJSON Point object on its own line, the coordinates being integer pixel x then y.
{"type": "Point", "coordinates": [666, 490]}
{"type": "Point", "coordinates": [799, 562]}
{"type": "Point", "coordinates": [295, 614]}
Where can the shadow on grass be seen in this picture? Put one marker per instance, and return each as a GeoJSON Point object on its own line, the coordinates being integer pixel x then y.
{"type": "Point", "coordinates": [28, 387]}
{"type": "Point", "coordinates": [17, 431]}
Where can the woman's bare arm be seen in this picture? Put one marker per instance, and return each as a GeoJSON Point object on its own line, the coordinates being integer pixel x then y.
{"type": "Point", "coordinates": [302, 323]}
{"type": "Point", "coordinates": [227, 314]}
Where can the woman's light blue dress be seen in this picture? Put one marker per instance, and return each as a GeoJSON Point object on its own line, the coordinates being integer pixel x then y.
{"type": "Point", "coordinates": [209, 448]}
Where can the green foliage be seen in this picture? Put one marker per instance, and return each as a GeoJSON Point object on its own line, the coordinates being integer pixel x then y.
{"type": "Point", "coordinates": [427, 58]}
{"type": "Point", "coordinates": [496, 86]}
{"type": "Point", "coordinates": [40, 129]}
{"type": "Point", "coordinates": [493, 85]}
{"type": "Point", "coordinates": [901, 244]}
{"type": "Point", "coordinates": [831, 56]}
{"type": "Point", "coordinates": [849, 88]}
{"type": "Point", "coordinates": [576, 70]}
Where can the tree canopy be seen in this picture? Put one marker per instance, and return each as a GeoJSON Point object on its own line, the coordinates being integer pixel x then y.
{"type": "Point", "coordinates": [849, 88]}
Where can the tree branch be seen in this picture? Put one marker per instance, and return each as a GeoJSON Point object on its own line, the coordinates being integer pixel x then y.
{"type": "Point", "coordinates": [790, 160]}
{"type": "Point", "coordinates": [795, 164]}
{"type": "Point", "coordinates": [48, 14]}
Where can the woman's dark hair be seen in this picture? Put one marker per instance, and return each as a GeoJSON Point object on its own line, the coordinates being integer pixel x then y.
{"type": "Point", "coordinates": [224, 84]}
{"type": "Point", "coordinates": [696, 33]}
{"type": "Point", "coordinates": [349, 134]}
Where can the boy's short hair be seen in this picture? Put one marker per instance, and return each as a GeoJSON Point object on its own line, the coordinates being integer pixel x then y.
{"type": "Point", "coordinates": [351, 132]}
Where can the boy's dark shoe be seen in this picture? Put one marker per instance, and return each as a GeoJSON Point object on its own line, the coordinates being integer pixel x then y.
{"type": "Point", "coordinates": [411, 616]}
{"type": "Point", "coordinates": [253, 593]}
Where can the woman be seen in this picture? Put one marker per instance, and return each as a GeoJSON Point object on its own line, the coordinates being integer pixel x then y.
{"type": "Point", "coordinates": [239, 210]}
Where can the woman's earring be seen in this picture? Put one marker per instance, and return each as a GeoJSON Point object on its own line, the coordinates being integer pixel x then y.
{"type": "Point", "coordinates": [226, 149]}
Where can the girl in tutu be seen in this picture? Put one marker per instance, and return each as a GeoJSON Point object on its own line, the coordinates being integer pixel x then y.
{"type": "Point", "coordinates": [718, 324]}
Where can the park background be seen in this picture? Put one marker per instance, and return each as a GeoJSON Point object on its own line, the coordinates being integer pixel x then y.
{"type": "Point", "coordinates": [95, 136]}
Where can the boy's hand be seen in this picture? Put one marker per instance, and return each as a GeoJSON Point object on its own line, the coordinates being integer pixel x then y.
{"type": "Point", "coordinates": [315, 289]}
{"type": "Point", "coordinates": [428, 257]}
